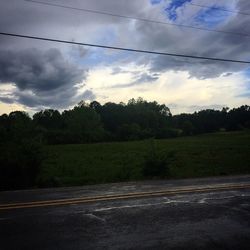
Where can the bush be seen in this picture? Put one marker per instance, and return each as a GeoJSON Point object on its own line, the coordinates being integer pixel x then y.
{"type": "Point", "coordinates": [19, 164]}
{"type": "Point", "coordinates": [157, 164]}
{"type": "Point", "coordinates": [168, 133]}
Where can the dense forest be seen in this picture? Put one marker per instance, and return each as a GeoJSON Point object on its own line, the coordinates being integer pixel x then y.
{"type": "Point", "coordinates": [138, 119]}
{"type": "Point", "coordinates": [22, 138]}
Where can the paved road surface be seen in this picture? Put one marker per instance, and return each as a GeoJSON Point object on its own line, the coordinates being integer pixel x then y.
{"type": "Point", "coordinates": [210, 213]}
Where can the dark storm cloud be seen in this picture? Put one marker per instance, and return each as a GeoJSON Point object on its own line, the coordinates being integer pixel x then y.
{"type": "Point", "coordinates": [36, 19]}
{"type": "Point", "coordinates": [6, 99]}
{"type": "Point", "coordinates": [87, 95]}
{"type": "Point", "coordinates": [38, 71]}
{"type": "Point", "coordinates": [42, 78]}
{"type": "Point", "coordinates": [59, 100]}
{"type": "Point", "coordinates": [199, 43]}
{"type": "Point", "coordinates": [196, 68]}
{"type": "Point", "coordinates": [202, 69]}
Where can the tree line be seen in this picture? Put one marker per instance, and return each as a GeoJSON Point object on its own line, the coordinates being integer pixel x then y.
{"type": "Point", "coordinates": [138, 119]}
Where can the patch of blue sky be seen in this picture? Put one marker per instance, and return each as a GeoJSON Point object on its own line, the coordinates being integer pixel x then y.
{"type": "Point", "coordinates": [153, 2]}
{"type": "Point", "coordinates": [97, 56]}
{"type": "Point", "coordinates": [246, 92]}
{"type": "Point", "coordinates": [247, 73]}
{"type": "Point", "coordinates": [211, 17]}
{"type": "Point", "coordinates": [244, 95]}
{"type": "Point", "coordinates": [171, 9]}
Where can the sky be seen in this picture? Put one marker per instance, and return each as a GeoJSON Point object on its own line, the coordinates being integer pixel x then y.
{"type": "Point", "coordinates": [37, 75]}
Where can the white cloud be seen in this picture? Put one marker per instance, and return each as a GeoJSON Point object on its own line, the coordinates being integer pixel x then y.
{"type": "Point", "coordinates": [187, 94]}
{"type": "Point", "coordinates": [119, 76]}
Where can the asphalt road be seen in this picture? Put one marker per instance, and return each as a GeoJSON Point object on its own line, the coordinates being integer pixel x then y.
{"type": "Point", "coordinates": [214, 213]}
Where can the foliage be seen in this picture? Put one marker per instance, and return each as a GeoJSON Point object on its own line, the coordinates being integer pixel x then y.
{"type": "Point", "coordinates": [194, 156]}
{"type": "Point", "coordinates": [20, 164]}
{"type": "Point", "coordinates": [22, 137]}
{"type": "Point", "coordinates": [138, 119]}
{"type": "Point", "coordinates": [157, 163]}
{"type": "Point", "coordinates": [83, 124]}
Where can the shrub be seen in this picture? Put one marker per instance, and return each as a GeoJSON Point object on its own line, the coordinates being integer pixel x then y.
{"type": "Point", "coordinates": [19, 164]}
{"type": "Point", "coordinates": [156, 164]}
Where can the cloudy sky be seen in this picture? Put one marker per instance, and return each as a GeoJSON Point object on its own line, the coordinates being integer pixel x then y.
{"type": "Point", "coordinates": [36, 74]}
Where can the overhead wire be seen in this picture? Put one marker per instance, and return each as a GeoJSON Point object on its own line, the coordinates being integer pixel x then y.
{"type": "Point", "coordinates": [219, 8]}
{"type": "Point", "coordinates": [124, 49]}
{"type": "Point", "coordinates": [139, 18]}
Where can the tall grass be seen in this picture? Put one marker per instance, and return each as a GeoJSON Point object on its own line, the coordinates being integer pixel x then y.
{"type": "Point", "coordinates": [194, 156]}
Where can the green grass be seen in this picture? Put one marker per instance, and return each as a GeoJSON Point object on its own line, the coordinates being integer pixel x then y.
{"type": "Point", "coordinates": [197, 156]}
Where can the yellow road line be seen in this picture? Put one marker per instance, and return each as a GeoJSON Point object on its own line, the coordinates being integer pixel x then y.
{"type": "Point", "coordinates": [68, 201]}
{"type": "Point", "coordinates": [191, 188]}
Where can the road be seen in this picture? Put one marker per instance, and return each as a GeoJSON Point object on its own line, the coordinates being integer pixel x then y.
{"type": "Point", "coordinates": [208, 213]}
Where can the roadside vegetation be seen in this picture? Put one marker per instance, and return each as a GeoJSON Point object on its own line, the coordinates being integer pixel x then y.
{"type": "Point", "coordinates": [224, 153]}
{"type": "Point", "coordinates": [94, 143]}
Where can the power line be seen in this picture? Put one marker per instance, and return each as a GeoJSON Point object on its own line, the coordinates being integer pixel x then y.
{"type": "Point", "coordinates": [219, 8]}
{"type": "Point", "coordinates": [124, 49]}
{"type": "Point", "coordinates": [138, 18]}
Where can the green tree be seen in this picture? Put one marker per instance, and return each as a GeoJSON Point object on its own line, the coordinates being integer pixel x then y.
{"type": "Point", "coordinates": [19, 126]}
{"type": "Point", "coordinates": [83, 124]}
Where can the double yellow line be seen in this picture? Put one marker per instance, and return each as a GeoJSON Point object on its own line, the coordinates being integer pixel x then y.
{"type": "Point", "coordinates": [80, 200]}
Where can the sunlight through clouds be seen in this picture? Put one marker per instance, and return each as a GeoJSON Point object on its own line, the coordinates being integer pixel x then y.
{"type": "Point", "coordinates": [51, 75]}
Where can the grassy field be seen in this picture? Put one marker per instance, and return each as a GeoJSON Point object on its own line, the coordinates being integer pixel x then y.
{"type": "Point", "coordinates": [196, 156]}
